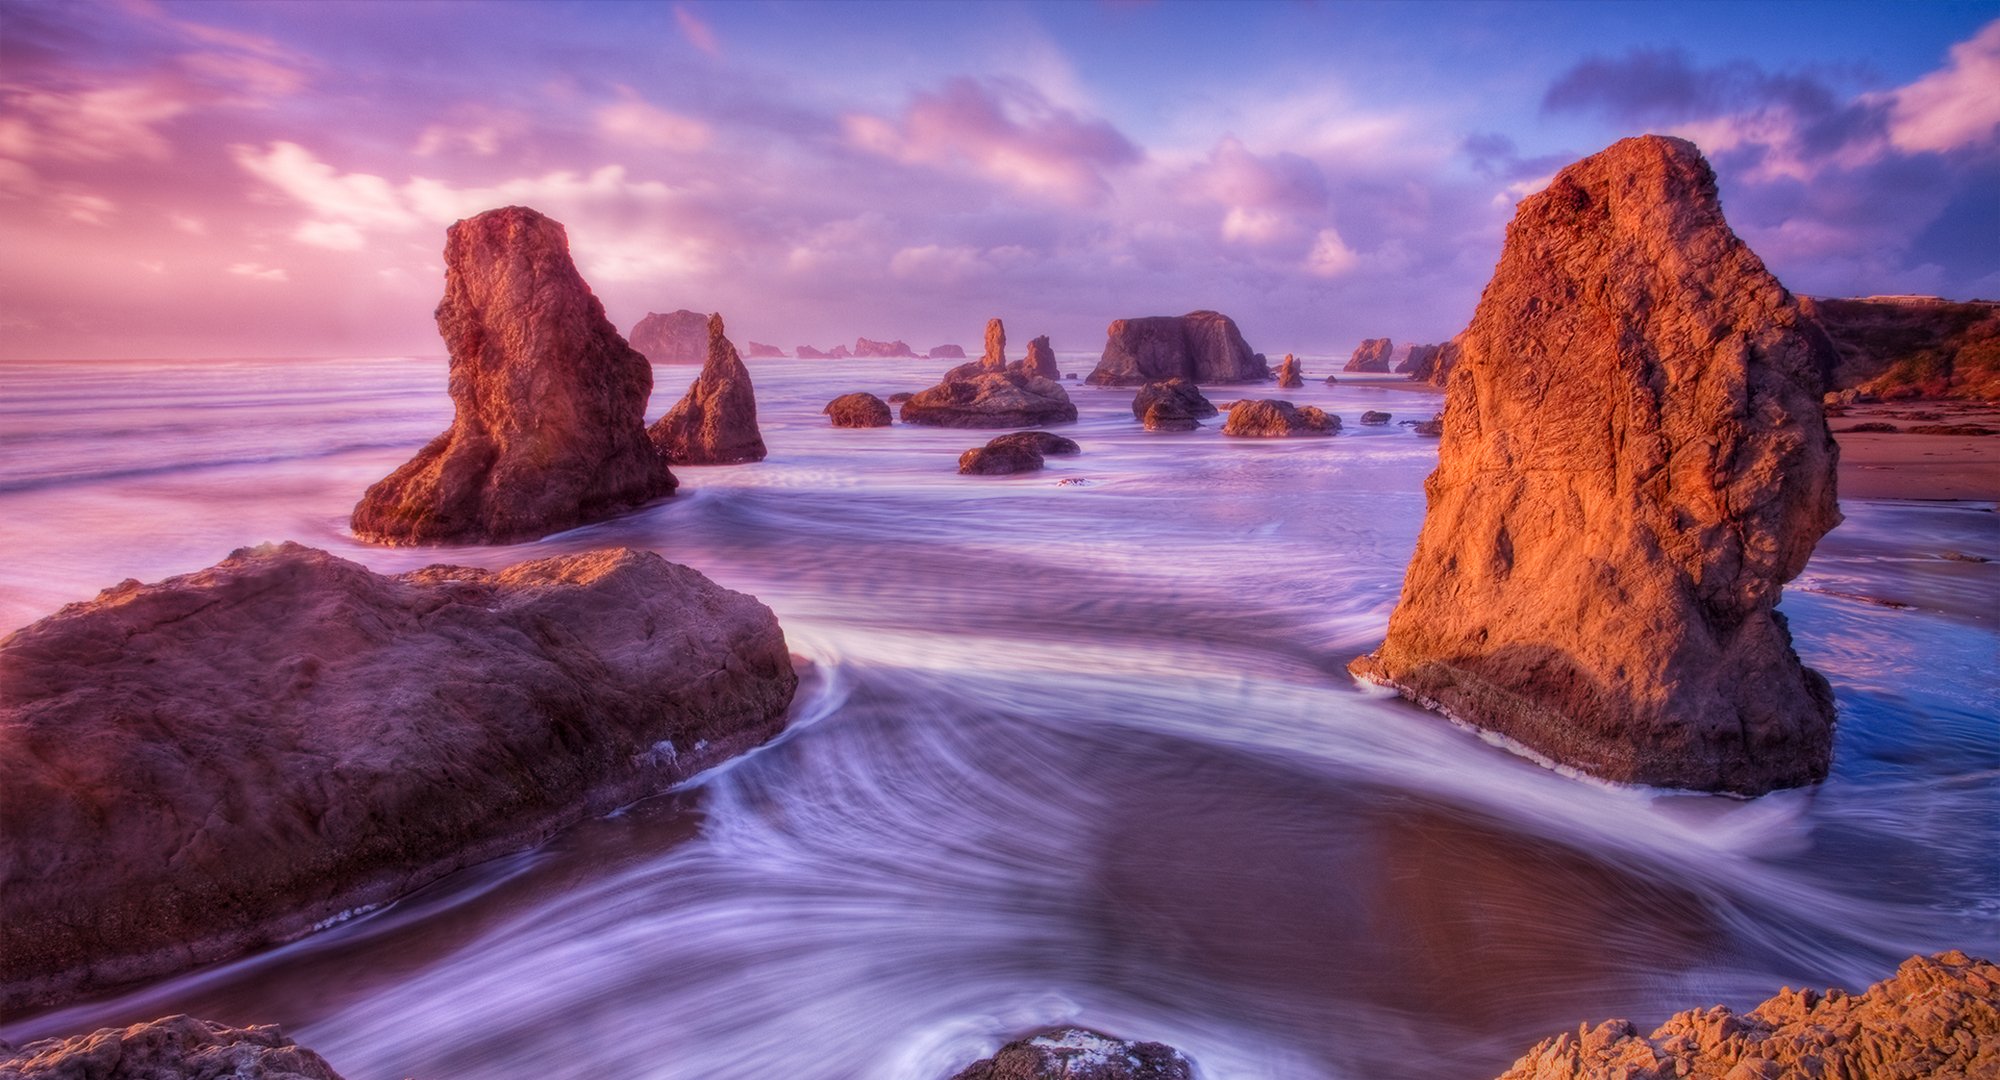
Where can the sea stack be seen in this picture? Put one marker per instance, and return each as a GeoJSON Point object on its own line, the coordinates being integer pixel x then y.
{"type": "Point", "coordinates": [716, 422]}
{"type": "Point", "coordinates": [678, 337]}
{"type": "Point", "coordinates": [1201, 347]}
{"type": "Point", "coordinates": [1371, 355]}
{"type": "Point", "coordinates": [1040, 360]}
{"type": "Point", "coordinates": [1288, 374]}
{"type": "Point", "coordinates": [1634, 461]}
{"type": "Point", "coordinates": [987, 393]}
{"type": "Point", "coordinates": [550, 427]}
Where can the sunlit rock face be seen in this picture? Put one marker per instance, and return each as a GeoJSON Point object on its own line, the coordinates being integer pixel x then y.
{"type": "Point", "coordinates": [549, 425]}
{"type": "Point", "coordinates": [1633, 462]}
{"type": "Point", "coordinates": [1265, 419]}
{"type": "Point", "coordinates": [219, 761]}
{"type": "Point", "coordinates": [989, 393]}
{"type": "Point", "coordinates": [180, 1047]}
{"type": "Point", "coordinates": [1289, 377]}
{"type": "Point", "coordinates": [1371, 355]}
{"type": "Point", "coordinates": [678, 337]}
{"type": "Point", "coordinates": [1201, 347]}
{"type": "Point", "coordinates": [716, 422]}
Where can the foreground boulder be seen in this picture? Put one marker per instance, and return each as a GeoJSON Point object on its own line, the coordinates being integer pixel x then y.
{"type": "Point", "coordinates": [678, 337]}
{"type": "Point", "coordinates": [1634, 462]}
{"type": "Point", "coordinates": [1288, 374]}
{"type": "Point", "coordinates": [715, 423]}
{"type": "Point", "coordinates": [549, 430]}
{"type": "Point", "coordinates": [864, 347]}
{"type": "Point", "coordinates": [989, 393]}
{"type": "Point", "coordinates": [858, 410]}
{"type": "Point", "coordinates": [1371, 355]}
{"type": "Point", "coordinates": [1937, 1016]}
{"type": "Point", "coordinates": [217, 762]}
{"type": "Point", "coordinates": [1073, 1053]}
{"type": "Point", "coordinates": [171, 1048]}
{"type": "Point", "coordinates": [1899, 347]}
{"type": "Point", "coordinates": [1201, 347]}
{"type": "Point", "coordinates": [1265, 419]}
{"type": "Point", "coordinates": [1171, 405]}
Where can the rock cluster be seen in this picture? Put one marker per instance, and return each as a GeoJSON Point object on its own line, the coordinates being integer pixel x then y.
{"type": "Point", "coordinates": [1201, 347]}
{"type": "Point", "coordinates": [1371, 355]}
{"type": "Point", "coordinates": [715, 423]}
{"type": "Point", "coordinates": [679, 337]}
{"type": "Point", "coordinates": [218, 761]}
{"type": "Point", "coordinates": [549, 430]}
{"type": "Point", "coordinates": [863, 347]}
{"type": "Point", "coordinates": [1288, 374]}
{"type": "Point", "coordinates": [176, 1047]}
{"type": "Point", "coordinates": [1022, 451]}
{"type": "Point", "coordinates": [1171, 405]}
{"type": "Point", "coordinates": [757, 350]}
{"type": "Point", "coordinates": [1634, 462]}
{"type": "Point", "coordinates": [1073, 1053]}
{"type": "Point", "coordinates": [1266, 419]}
{"type": "Point", "coordinates": [990, 393]}
{"type": "Point", "coordinates": [1937, 1016]}
{"type": "Point", "coordinates": [858, 410]}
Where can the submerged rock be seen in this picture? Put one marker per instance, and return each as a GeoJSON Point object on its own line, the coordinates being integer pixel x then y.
{"type": "Point", "coordinates": [1040, 361]}
{"type": "Point", "coordinates": [1266, 419]}
{"type": "Point", "coordinates": [858, 410]}
{"type": "Point", "coordinates": [863, 347]}
{"type": "Point", "coordinates": [757, 350]}
{"type": "Point", "coordinates": [1371, 355]}
{"type": "Point", "coordinates": [1171, 405]}
{"type": "Point", "coordinates": [1938, 1016]}
{"type": "Point", "coordinates": [549, 430]}
{"type": "Point", "coordinates": [217, 762]}
{"type": "Point", "coordinates": [1288, 374]}
{"type": "Point", "coordinates": [1634, 462]}
{"type": "Point", "coordinates": [171, 1048]}
{"type": "Point", "coordinates": [715, 423]}
{"type": "Point", "coordinates": [1073, 1053]}
{"type": "Point", "coordinates": [1201, 347]}
{"type": "Point", "coordinates": [678, 337]}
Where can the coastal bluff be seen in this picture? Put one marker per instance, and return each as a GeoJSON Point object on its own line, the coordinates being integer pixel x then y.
{"type": "Point", "coordinates": [1634, 461]}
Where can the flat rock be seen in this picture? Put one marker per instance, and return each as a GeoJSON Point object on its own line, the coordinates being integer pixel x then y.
{"type": "Point", "coordinates": [1201, 347]}
{"type": "Point", "coordinates": [1073, 1053]}
{"type": "Point", "coordinates": [715, 423]}
{"type": "Point", "coordinates": [171, 1048]}
{"type": "Point", "coordinates": [1371, 355]}
{"type": "Point", "coordinates": [1171, 405]}
{"type": "Point", "coordinates": [1634, 462]}
{"type": "Point", "coordinates": [219, 761]}
{"type": "Point", "coordinates": [677, 337]}
{"type": "Point", "coordinates": [1259, 418]}
{"type": "Point", "coordinates": [549, 428]}
{"type": "Point", "coordinates": [858, 410]}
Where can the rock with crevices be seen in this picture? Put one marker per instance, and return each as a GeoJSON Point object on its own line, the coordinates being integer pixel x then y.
{"type": "Point", "coordinates": [858, 410]}
{"type": "Point", "coordinates": [1171, 405]}
{"type": "Point", "coordinates": [170, 1048]}
{"type": "Point", "coordinates": [1263, 418]}
{"type": "Point", "coordinates": [1289, 377]}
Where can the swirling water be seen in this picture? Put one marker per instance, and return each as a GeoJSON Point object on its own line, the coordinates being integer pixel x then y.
{"type": "Point", "coordinates": [1075, 746]}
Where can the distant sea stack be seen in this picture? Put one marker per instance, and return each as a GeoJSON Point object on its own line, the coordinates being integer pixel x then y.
{"type": "Point", "coordinates": [1634, 461]}
{"type": "Point", "coordinates": [549, 431]}
{"type": "Point", "coordinates": [807, 352]}
{"type": "Point", "coordinates": [1201, 347]}
{"type": "Point", "coordinates": [1288, 374]}
{"type": "Point", "coordinates": [1371, 355]}
{"type": "Point", "coordinates": [947, 352]}
{"type": "Point", "coordinates": [679, 337]}
{"type": "Point", "coordinates": [757, 350]}
{"type": "Point", "coordinates": [716, 422]}
{"type": "Point", "coordinates": [1421, 361]}
{"type": "Point", "coordinates": [863, 347]}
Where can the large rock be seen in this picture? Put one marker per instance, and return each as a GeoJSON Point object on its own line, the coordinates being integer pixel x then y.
{"type": "Point", "coordinates": [757, 350]}
{"type": "Point", "coordinates": [1040, 361]}
{"type": "Point", "coordinates": [1072, 1053]}
{"type": "Point", "coordinates": [1899, 347]}
{"type": "Point", "coordinates": [1201, 347]}
{"type": "Point", "coordinates": [1936, 1017]}
{"type": "Point", "coordinates": [1371, 355]}
{"type": "Point", "coordinates": [171, 1048]}
{"type": "Point", "coordinates": [1634, 462]}
{"type": "Point", "coordinates": [988, 393]}
{"type": "Point", "coordinates": [1420, 363]}
{"type": "Point", "coordinates": [1171, 405]}
{"type": "Point", "coordinates": [217, 762]}
{"type": "Point", "coordinates": [1266, 419]}
{"type": "Point", "coordinates": [1288, 374]}
{"type": "Point", "coordinates": [864, 347]}
{"type": "Point", "coordinates": [715, 423]}
{"type": "Point", "coordinates": [858, 410]}
{"type": "Point", "coordinates": [550, 424]}
{"type": "Point", "coordinates": [678, 337]}
{"type": "Point", "coordinates": [1437, 370]}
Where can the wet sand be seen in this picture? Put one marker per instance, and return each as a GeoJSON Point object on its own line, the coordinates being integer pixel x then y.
{"type": "Point", "coordinates": [1906, 465]}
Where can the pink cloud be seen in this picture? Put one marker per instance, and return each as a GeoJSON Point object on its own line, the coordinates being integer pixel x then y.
{"type": "Point", "coordinates": [696, 30]}
{"type": "Point", "coordinates": [634, 122]}
{"type": "Point", "coordinates": [1958, 105]}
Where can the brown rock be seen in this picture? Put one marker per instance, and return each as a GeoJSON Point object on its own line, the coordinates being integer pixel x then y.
{"type": "Point", "coordinates": [1008, 399]}
{"type": "Point", "coordinates": [1040, 362]}
{"type": "Point", "coordinates": [1421, 362]}
{"type": "Point", "coordinates": [899, 397]}
{"type": "Point", "coordinates": [171, 1048]}
{"type": "Point", "coordinates": [807, 352]}
{"type": "Point", "coordinates": [1332, 380]}
{"type": "Point", "coordinates": [679, 337]}
{"type": "Point", "coordinates": [1371, 355]}
{"type": "Point", "coordinates": [992, 361]}
{"type": "Point", "coordinates": [1266, 419]}
{"type": "Point", "coordinates": [715, 423]}
{"type": "Point", "coordinates": [217, 762]}
{"type": "Point", "coordinates": [947, 352]}
{"type": "Point", "coordinates": [1171, 405]}
{"type": "Point", "coordinates": [549, 430]}
{"type": "Point", "coordinates": [757, 350]}
{"type": "Point", "coordinates": [990, 460]}
{"type": "Point", "coordinates": [1899, 347]}
{"type": "Point", "coordinates": [1434, 427]}
{"type": "Point", "coordinates": [1073, 1053]}
{"type": "Point", "coordinates": [1374, 417]}
{"type": "Point", "coordinates": [863, 347]}
{"type": "Point", "coordinates": [1046, 443]}
{"type": "Point", "coordinates": [1201, 347]}
{"type": "Point", "coordinates": [858, 410]}
{"type": "Point", "coordinates": [1634, 461]}
{"type": "Point", "coordinates": [1288, 374]}
{"type": "Point", "coordinates": [1937, 1016]}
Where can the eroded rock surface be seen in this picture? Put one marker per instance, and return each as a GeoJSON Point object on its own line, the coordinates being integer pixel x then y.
{"type": "Point", "coordinates": [171, 1048]}
{"type": "Point", "coordinates": [1171, 405]}
{"type": "Point", "coordinates": [218, 761]}
{"type": "Point", "coordinates": [1201, 347]}
{"type": "Point", "coordinates": [677, 337]}
{"type": "Point", "coordinates": [549, 430]}
{"type": "Point", "coordinates": [715, 423]}
{"type": "Point", "coordinates": [1371, 355]}
{"type": "Point", "coordinates": [858, 410]}
{"type": "Point", "coordinates": [1074, 1053]}
{"type": "Point", "coordinates": [1634, 462]}
{"type": "Point", "coordinates": [1938, 1016]}
{"type": "Point", "coordinates": [1259, 418]}
{"type": "Point", "coordinates": [1289, 377]}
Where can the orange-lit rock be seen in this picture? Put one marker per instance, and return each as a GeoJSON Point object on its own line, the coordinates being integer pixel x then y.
{"type": "Point", "coordinates": [1371, 355]}
{"type": "Point", "coordinates": [716, 422]}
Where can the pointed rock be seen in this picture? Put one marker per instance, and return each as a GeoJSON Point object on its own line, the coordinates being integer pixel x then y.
{"type": "Point", "coordinates": [716, 423]}
{"type": "Point", "coordinates": [995, 356]}
{"type": "Point", "coordinates": [549, 429]}
{"type": "Point", "coordinates": [1634, 462]}
{"type": "Point", "coordinates": [1289, 377]}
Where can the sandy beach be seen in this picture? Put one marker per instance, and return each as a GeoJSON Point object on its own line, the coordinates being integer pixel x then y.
{"type": "Point", "coordinates": [1909, 464]}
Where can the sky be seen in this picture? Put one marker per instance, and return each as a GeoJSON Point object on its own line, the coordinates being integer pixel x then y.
{"type": "Point", "coordinates": [274, 179]}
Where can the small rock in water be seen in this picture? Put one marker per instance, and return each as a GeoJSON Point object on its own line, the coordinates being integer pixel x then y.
{"type": "Point", "coordinates": [1073, 1053]}
{"type": "Point", "coordinates": [1373, 417]}
{"type": "Point", "coordinates": [1289, 377]}
{"type": "Point", "coordinates": [1073, 481]}
{"type": "Point", "coordinates": [858, 410]}
{"type": "Point", "coordinates": [1960, 556]}
{"type": "Point", "coordinates": [1269, 419]}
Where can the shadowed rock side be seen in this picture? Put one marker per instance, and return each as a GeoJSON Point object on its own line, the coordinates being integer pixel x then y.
{"type": "Point", "coordinates": [1201, 347]}
{"type": "Point", "coordinates": [863, 347]}
{"type": "Point", "coordinates": [757, 350]}
{"type": "Point", "coordinates": [1171, 405]}
{"type": "Point", "coordinates": [171, 1048]}
{"type": "Point", "coordinates": [1371, 355]}
{"type": "Point", "coordinates": [1040, 361]}
{"type": "Point", "coordinates": [1288, 374]}
{"type": "Point", "coordinates": [1421, 361]}
{"type": "Point", "coordinates": [988, 393]}
{"type": "Point", "coordinates": [1938, 1016]}
{"type": "Point", "coordinates": [549, 429]}
{"type": "Point", "coordinates": [858, 410]}
{"type": "Point", "coordinates": [216, 762]}
{"type": "Point", "coordinates": [679, 337]}
{"type": "Point", "coordinates": [1080, 1054]}
{"type": "Point", "coordinates": [715, 423]}
{"type": "Point", "coordinates": [1634, 461]}
{"type": "Point", "coordinates": [1912, 346]}
{"type": "Point", "coordinates": [1265, 419]}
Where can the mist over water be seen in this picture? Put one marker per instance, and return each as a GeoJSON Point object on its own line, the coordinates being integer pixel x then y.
{"type": "Point", "coordinates": [1067, 752]}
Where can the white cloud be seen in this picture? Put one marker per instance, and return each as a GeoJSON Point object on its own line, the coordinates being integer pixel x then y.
{"type": "Point", "coordinates": [634, 122]}
{"type": "Point", "coordinates": [259, 272]}
{"type": "Point", "coordinates": [332, 235]}
{"type": "Point", "coordinates": [1331, 257]}
{"type": "Point", "coordinates": [1956, 106]}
